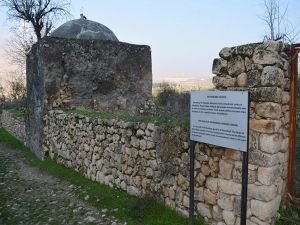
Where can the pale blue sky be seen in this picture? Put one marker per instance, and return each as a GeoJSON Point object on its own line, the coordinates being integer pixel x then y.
{"type": "Point", "coordinates": [184, 35]}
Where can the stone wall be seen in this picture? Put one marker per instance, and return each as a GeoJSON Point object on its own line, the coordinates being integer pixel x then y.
{"type": "Point", "coordinates": [145, 159]}
{"type": "Point", "coordinates": [263, 69]}
{"type": "Point", "coordinates": [14, 125]}
{"type": "Point", "coordinates": [102, 75]}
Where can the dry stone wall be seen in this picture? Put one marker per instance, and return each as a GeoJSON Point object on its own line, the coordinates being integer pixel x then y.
{"type": "Point", "coordinates": [263, 69]}
{"type": "Point", "coordinates": [144, 159]}
{"type": "Point", "coordinates": [14, 125]}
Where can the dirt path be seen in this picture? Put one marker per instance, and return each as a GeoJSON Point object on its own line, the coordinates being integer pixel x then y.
{"type": "Point", "coordinates": [30, 196]}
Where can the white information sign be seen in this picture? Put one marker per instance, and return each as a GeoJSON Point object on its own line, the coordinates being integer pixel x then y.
{"type": "Point", "coordinates": [220, 118]}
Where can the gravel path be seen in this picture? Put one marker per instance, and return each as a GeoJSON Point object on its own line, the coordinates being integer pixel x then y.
{"type": "Point", "coordinates": [31, 196]}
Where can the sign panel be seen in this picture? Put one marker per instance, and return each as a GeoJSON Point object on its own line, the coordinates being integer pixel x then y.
{"type": "Point", "coordinates": [220, 118]}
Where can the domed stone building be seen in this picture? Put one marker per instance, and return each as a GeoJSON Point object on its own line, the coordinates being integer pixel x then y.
{"type": "Point", "coordinates": [82, 64]}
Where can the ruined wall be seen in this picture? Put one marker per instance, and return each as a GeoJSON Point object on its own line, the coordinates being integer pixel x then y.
{"type": "Point", "coordinates": [102, 75]}
{"type": "Point", "coordinates": [146, 159]}
{"type": "Point", "coordinates": [263, 69]}
{"type": "Point", "coordinates": [14, 125]}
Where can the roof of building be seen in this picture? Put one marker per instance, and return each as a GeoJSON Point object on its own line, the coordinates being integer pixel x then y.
{"type": "Point", "coordinates": [84, 29]}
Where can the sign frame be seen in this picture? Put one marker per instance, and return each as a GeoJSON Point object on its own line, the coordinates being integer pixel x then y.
{"type": "Point", "coordinates": [245, 163]}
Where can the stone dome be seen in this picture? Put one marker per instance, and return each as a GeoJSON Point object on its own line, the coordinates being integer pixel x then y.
{"type": "Point", "coordinates": [84, 29]}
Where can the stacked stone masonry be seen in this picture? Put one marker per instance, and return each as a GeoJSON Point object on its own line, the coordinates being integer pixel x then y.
{"type": "Point", "coordinates": [144, 159]}
{"type": "Point", "coordinates": [14, 125]}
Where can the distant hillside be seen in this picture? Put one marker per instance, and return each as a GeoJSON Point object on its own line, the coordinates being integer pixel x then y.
{"type": "Point", "coordinates": [187, 84]}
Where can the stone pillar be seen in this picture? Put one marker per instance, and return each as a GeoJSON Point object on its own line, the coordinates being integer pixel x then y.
{"type": "Point", "coordinates": [263, 69]}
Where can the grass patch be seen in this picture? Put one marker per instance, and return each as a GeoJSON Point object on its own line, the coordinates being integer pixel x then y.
{"type": "Point", "coordinates": [289, 215]}
{"type": "Point", "coordinates": [168, 121]}
{"type": "Point", "coordinates": [17, 112]}
{"type": "Point", "coordinates": [133, 210]}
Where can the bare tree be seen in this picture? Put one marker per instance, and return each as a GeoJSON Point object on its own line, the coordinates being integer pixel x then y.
{"type": "Point", "coordinates": [279, 28]}
{"type": "Point", "coordinates": [18, 45]}
{"type": "Point", "coordinates": [16, 88]}
{"type": "Point", "coordinates": [41, 14]}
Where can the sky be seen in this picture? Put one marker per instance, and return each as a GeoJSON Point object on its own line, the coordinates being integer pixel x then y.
{"type": "Point", "coordinates": [184, 35]}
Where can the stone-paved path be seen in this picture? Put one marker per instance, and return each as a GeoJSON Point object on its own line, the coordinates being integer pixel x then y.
{"type": "Point", "coordinates": [30, 196]}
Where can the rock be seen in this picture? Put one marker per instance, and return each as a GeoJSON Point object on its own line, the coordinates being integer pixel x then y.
{"type": "Point", "coordinates": [226, 53]}
{"type": "Point", "coordinates": [236, 66]}
{"type": "Point", "coordinates": [262, 159]}
{"type": "Point", "coordinates": [229, 187]}
{"type": "Point", "coordinates": [262, 192]}
{"type": "Point", "coordinates": [225, 169]}
{"type": "Point", "coordinates": [217, 213]}
{"type": "Point", "coordinates": [244, 50]}
{"type": "Point", "coordinates": [232, 154]}
{"type": "Point", "coordinates": [268, 110]}
{"type": "Point", "coordinates": [248, 64]}
{"type": "Point", "coordinates": [268, 175]}
{"type": "Point", "coordinates": [199, 194]}
{"type": "Point", "coordinates": [265, 126]}
{"type": "Point", "coordinates": [212, 184]}
{"type": "Point", "coordinates": [140, 133]}
{"type": "Point", "coordinates": [225, 201]}
{"type": "Point", "coordinates": [182, 182]}
{"type": "Point", "coordinates": [205, 170]}
{"type": "Point", "coordinates": [90, 219]}
{"type": "Point", "coordinates": [270, 143]}
{"type": "Point", "coordinates": [242, 80]}
{"type": "Point", "coordinates": [209, 197]}
{"type": "Point", "coordinates": [229, 82]}
{"type": "Point", "coordinates": [204, 210]}
{"type": "Point", "coordinates": [218, 81]}
{"type": "Point", "coordinates": [266, 55]}
{"type": "Point", "coordinates": [285, 98]}
{"type": "Point", "coordinates": [219, 66]}
{"type": "Point", "coordinates": [272, 76]}
{"type": "Point", "coordinates": [266, 94]}
{"type": "Point", "coordinates": [228, 217]}
{"type": "Point", "coordinates": [265, 210]}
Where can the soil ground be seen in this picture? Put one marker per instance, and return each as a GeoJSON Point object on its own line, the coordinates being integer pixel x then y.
{"type": "Point", "coordinates": [31, 196]}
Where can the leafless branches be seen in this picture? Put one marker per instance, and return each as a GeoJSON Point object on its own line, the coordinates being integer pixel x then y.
{"type": "Point", "coordinates": [41, 14]}
{"type": "Point", "coordinates": [279, 28]}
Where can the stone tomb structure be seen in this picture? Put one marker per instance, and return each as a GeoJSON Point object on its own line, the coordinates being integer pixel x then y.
{"type": "Point", "coordinates": [82, 64]}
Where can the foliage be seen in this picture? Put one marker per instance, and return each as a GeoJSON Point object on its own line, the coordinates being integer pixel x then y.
{"type": "Point", "coordinates": [133, 210]}
{"type": "Point", "coordinates": [41, 14]}
{"type": "Point", "coordinates": [16, 88]}
{"type": "Point", "coordinates": [288, 215]}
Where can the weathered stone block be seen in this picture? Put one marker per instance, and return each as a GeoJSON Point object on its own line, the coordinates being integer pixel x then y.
{"type": "Point", "coordinates": [236, 66]}
{"type": "Point", "coordinates": [226, 53]}
{"type": "Point", "coordinates": [267, 54]}
{"type": "Point", "coordinates": [245, 50]}
{"type": "Point", "coordinates": [270, 143]}
{"type": "Point", "coordinates": [242, 80]}
{"type": "Point", "coordinates": [228, 217]}
{"type": "Point", "coordinates": [268, 175]}
{"type": "Point", "coordinates": [262, 192]}
{"type": "Point", "coordinates": [266, 94]}
{"type": "Point", "coordinates": [212, 184]}
{"type": "Point", "coordinates": [265, 210]}
{"type": "Point", "coordinates": [265, 126]}
{"type": "Point", "coordinates": [262, 159]}
{"type": "Point", "coordinates": [268, 110]}
{"type": "Point", "coordinates": [272, 76]}
{"type": "Point", "coordinates": [219, 66]}
{"type": "Point", "coordinates": [204, 210]}
{"type": "Point", "coordinates": [225, 201]}
{"type": "Point", "coordinates": [209, 197]}
{"type": "Point", "coordinates": [225, 169]}
{"type": "Point", "coordinates": [229, 187]}
{"type": "Point", "coordinates": [253, 78]}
